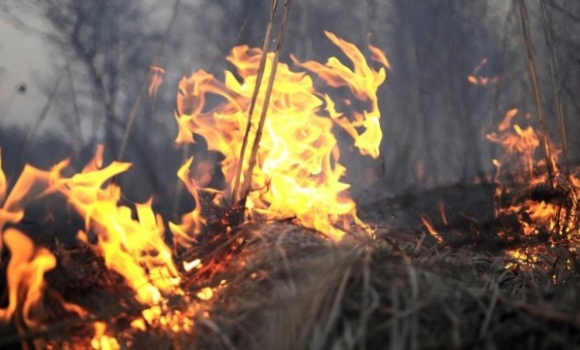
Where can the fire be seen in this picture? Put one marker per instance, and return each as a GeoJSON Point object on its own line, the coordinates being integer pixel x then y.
{"type": "Point", "coordinates": [544, 201]}
{"type": "Point", "coordinates": [477, 79]}
{"type": "Point", "coordinates": [432, 231]}
{"type": "Point", "coordinates": [299, 174]}
{"type": "Point", "coordinates": [133, 248]}
{"type": "Point", "coordinates": [25, 272]}
{"type": "Point", "coordinates": [156, 79]}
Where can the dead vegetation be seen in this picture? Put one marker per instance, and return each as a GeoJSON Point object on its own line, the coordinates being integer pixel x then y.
{"type": "Point", "coordinates": [291, 288]}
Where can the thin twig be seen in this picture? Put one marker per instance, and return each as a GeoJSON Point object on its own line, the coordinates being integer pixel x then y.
{"type": "Point", "coordinates": [336, 306]}
{"type": "Point", "coordinates": [489, 312]}
{"type": "Point", "coordinates": [262, 66]}
{"type": "Point", "coordinates": [144, 88]}
{"type": "Point", "coordinates": [556, 85]}
{"type": "Point", "coordinates": [245, 189]}
{"type": "Point", "coordinates": [221, 334]}
{"type": "Point", "coordinates": [535, 83]}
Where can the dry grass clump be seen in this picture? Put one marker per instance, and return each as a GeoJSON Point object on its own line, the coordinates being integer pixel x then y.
{"type": "Point", "coordinates": [292, 289]}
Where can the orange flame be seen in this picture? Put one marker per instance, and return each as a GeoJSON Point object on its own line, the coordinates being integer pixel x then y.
{"type": "Point", "coordinates": [25, 274]}
{"type": "Point", "coordinates": [192, 222]}
{"type": "Point", "coordinates": [299, 173]}
{"type": "Point", "coordinates": [521, 143]}
{"type": "Point", "coordinates": [156, 79]}
{"type": "Point", "coordinates": [30, 185]}
{"type": "Point", "coordinates": [553, 210]}
{"type": "Point", "coordinates": [481, 80]}
{"type": "Point", "coordinates": [432, 231]}
{"type": "Point", "coordinates": [3, 183]}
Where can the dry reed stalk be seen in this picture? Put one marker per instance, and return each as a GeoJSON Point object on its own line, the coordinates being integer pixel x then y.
{"type": "Point", "coordinates": [554, 70]}
{"type": "Point", "coordinates": [532, 67]}
{"type": "Point", "coordinates": [261, 67]}
{"type": "Point", "coordinates": [246, 186]}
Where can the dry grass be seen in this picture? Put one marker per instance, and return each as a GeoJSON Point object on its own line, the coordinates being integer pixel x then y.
{"type": "Point", "coordinates": [290, 288]}
{"type": "Point", "coordinates": [298, 291]}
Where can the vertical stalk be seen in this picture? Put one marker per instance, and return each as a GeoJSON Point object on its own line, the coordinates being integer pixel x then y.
{"type": "Point", "coordinates": [245, 189]}
{"type": "Point", "coordinates": [535, 84]}
{"type": "Point", "coordinates": [240, 166]}
{"type": "Point", "coordinates": [554, 70]}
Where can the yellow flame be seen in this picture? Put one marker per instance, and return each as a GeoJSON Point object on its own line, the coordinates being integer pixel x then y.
{"type": "Point", "coordinates": [133, 248]}
{"type": "Point", "coordinates": [299, 174]}
{"type": "Point", "coordinates": [25, 275]}
{"type": "Point", "coordinates": [205, 293]}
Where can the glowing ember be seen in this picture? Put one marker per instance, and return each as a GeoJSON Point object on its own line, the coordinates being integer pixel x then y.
{"type": "Point", "coordinates": [188, 266]}
{"type": "Point", "coordinates": [205, 294]}
{"type": "Point", "coordinates": [299, 174]}
{"type": "Point", "coordinates": [101, 341]}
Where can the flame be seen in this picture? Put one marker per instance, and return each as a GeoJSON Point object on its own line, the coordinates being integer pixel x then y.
{"type": "Point", "coordinates": [520, 144]}
{"type": "Point", "coordinates": [192, 222]}
{"type": "Point", "coordinates": [299, 173]}
{"type": "Point", "coordinates": [548, 205]}
{"type": "Point", "coordinates": [132, 248]}
{"type": "Point", "coordinates": [481, 80]}
{"type": "Point", "coordinates": [101, 341]}
{"type": "Point", "coordinates": [205, 294]}
{"type": "Point", "coordinates": [156, 79]}
{"type": "Point", "coordinates": [432, 231]}
{"type": "Point", "coordinates": [30, 185]}
{"type": "Point", "coordinates": [3, 183]}
{"type": "Point", "coordinates": [298, 176]}
{"type": "Point", "coordinates": [442, 213]}
{"type": "Point", "coordinates": [25, 274]}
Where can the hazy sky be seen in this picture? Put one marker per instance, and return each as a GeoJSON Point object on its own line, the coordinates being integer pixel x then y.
{"type": "Point", "coordinates": [24, 59]}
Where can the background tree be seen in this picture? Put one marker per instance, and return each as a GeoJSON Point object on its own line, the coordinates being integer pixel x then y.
{"type": "Point", "coordinates": [434, 119]}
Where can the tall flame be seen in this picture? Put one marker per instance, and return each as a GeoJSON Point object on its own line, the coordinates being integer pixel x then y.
{"type": "Point", "coordinates": [25, 273]}
{"type": "Point", "coordinates": [299, 173]}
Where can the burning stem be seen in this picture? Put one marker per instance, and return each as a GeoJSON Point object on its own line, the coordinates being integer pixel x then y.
{"type": "Point", "coordinates": [245, 189]}
{"type": "Point", "coordinates": [535, 85]}
{"type": "Point", "coordinates": [235, 193]}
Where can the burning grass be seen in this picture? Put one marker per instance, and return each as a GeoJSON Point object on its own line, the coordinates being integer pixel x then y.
{"type": "Point", "coordinates": [291, 288]}
{"type": "Point", "coordinates": [278, 257]}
